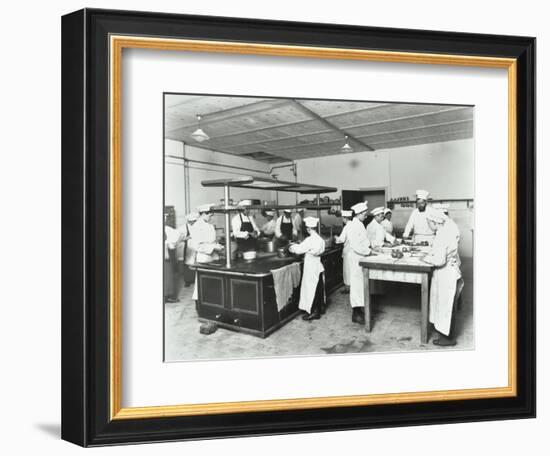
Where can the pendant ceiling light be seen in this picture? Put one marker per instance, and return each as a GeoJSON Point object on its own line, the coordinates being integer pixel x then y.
{"type": "Point", "coordinates": [346, 147]}
{"type": "Point", "coordinates": [199, 135]}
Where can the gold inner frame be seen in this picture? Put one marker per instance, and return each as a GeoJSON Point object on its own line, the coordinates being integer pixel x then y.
{"type": "Point", "coordinates": [117, 44]}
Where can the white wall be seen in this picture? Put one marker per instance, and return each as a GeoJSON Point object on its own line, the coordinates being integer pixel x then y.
{"type": "Point", "coordinates": [445, 169]}
{"type": "Point", "coordinates": [175, 189]}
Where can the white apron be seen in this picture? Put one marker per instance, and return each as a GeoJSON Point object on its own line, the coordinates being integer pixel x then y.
{"type": "Point", "coordinates": [419, 226]}
{"type": "Point", "coordinates": [312, 248]}
{"type": "Point", "coordinates": [359, 246]}
{"type": "Point", "coordinates": [444, 278]}
{"type": "Point", "coordinates": [204, 241]}
{"type": "Point", "coordinates": [343, 239]}
{"type": "Point", "coordinates": [356, 280]}
{"type": "Point", "coordinates": [346, 264]}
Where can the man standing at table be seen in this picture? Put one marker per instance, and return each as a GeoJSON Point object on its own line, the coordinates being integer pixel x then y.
{"type": "Point", "coordinates": [359, 248]}
{"type": "Point", "coordinates": [386, 223]}
{"type": "Point", "coordinates": [375, 231]}
{"type": "Point", "coordinates": [417, 221]}
{"type": "Point", "coordinates": [285, 231]}
{"type": "Point", "coordinates": [204, 240]}
{"type": "Point", "coordinates": [268, 229]}
{"type": "Point", "coordinates": [244, 228]}
{"type": "Point", "coordinates": [343, 239]}
{"type": "Point", "coordinates": [446, 277]}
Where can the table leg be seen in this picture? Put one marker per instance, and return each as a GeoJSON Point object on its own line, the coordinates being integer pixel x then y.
{"type": "Point", "coordinates": [366, 291]}
{"type": "Point", "coordinates": [424, 309]}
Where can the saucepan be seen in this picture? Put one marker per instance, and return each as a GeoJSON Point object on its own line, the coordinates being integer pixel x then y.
{"type": "Point", "coordinates": [266, 244]}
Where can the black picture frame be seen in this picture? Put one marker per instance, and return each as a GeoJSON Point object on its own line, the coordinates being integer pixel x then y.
{"type": "Point", "coordinates": [85, 227]}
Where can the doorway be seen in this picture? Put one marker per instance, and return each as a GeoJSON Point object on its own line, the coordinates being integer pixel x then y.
{"type": "Point", "coordinates": [375, 198]}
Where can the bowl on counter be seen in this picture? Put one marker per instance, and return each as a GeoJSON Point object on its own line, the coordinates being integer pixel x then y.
{"type": "Point", "coordinates": [250, 255]}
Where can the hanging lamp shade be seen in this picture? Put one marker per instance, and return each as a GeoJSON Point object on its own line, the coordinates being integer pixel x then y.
{"type": "Point", "coordinates": [346, 147]}
{"type": "Point", "coordinates": [199, 135]}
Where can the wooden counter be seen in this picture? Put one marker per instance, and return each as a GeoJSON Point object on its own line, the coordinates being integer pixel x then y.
{"type": "Point", "coordinates": [242, 298]}
{"type": "Point", "coordinates": [407, 270]}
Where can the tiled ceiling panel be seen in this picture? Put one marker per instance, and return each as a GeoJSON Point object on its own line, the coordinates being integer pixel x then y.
{"type": "Point", "coordinates": [290, 129]}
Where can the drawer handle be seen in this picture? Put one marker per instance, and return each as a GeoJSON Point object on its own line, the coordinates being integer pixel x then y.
{"type": "Point", "coordinates": [218, 316]}
{"type": "Point", "coordinates": [237, 321]}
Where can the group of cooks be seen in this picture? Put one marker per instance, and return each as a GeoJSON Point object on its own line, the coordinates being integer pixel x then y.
{"type": "Point", "coordinates": [428, 225]}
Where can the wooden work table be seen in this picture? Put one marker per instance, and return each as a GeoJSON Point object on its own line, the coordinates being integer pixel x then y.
{"type": "Point", "coordinates": [408, 270]}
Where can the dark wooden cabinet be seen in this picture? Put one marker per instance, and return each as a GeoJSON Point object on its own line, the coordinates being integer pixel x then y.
{"type": "Point", "coordinates": [246, 302]}
{"type": "Point", "coordinates": [243, 303]}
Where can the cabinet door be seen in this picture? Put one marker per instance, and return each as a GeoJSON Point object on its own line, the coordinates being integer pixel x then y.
{"type": "Point", "coordinates": [245, 302]}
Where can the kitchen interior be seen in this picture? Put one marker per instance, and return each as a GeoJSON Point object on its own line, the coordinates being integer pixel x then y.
{"type": "Point", "coordinates": [317, 158]}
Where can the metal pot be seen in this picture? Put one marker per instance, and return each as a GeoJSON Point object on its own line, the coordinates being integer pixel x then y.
{"type": "Point", "coordinates": [267, 244]}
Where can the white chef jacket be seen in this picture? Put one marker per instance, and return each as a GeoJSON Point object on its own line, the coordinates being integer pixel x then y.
{"type": "Point", "coordinates": [343, 239]}
{"type": "Point", "coordinates": [204, 242]}
{"type": "Point", "coordinates": [377, 234]}
{"type": "Point", "coordinates": [236, 226]}
{"type": "Point", "coordinates": [190, 251]}
{"type": "Point", "coordinates": [359, 248]}
{"type": "Point", "coordinates": [269, 227]}
{"type": "Point", "coordinates": [185, 231]}
{"type": "Point", "coordinates": [172, 237]}
{"type": "Point", "coordinates": [387, 225]}
{"type": "Point", "coordinates": [278, 232]}
{"type": "Point", "coordinates": [312, 247]}
{"type": "Point", "coordinates": [419, 226]}
{"type": "Point", "coordinates": [444, 256]}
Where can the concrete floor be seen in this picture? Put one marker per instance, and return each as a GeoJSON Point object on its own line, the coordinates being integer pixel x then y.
{"type": "Point", "coordinates": [396, 328]}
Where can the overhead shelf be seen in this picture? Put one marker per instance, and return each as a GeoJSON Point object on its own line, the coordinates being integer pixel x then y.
{"type": "Point", "coordinates": [312, 207]}
{"type": "Point", "coordinates": [264, 183]}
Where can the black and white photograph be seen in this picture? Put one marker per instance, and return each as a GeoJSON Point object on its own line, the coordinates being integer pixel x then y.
{"type": "Point", "coordinates": [313, 227]}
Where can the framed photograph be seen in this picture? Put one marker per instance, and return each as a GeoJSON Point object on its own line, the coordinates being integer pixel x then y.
{"type": "Point", "coordinates": [276, 227]}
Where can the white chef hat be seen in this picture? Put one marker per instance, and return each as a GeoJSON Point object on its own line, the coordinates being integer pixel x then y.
{"type": "Point", "coordinates": [311, 222]}
{"type": "Point", "coordinates": [271, 213]}
{"type": "Point", "coordinates": [244, 203]}
{"type": "Point", "coordinates": [347, 214]}
{"type": "Point", "coordinates": [422, 194]}
{"type": "Point", "coordinates": [360, 207]}
{"type": "Point", "coordinates": [287, 210]}
{"type": "Point", "coordinates": [377, 210]}
{"type": "Point", "coordinates": [192, 216]}
{"type": "Point", "coordinates": [436, 215]}
{"type": "Point", "coordinates": [205, 207]}
{"type": "Point", "coordinates": [387, 211]}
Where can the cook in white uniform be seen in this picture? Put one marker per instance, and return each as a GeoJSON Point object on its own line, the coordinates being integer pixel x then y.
{"type": "Point", "coordinates": [244, 228]}
{"type": "Point", "coordinates": [359, 248]}
{"type": "Point", "coordinates": [204, 240]}
{"type": "Point", "coordinates": [386, 223]}
{"type": "Point", "coordinates": [268, 228]}
{"type": "Point", "coordinates": [444, 207]}
{"type": "Point", "coordinates": [185, 249]}
{"type": "Point", "coordinates": [312, 290]}
{"type": "Point", "coordinates": [376, 232]}
{"type": "Point", "coordinates": [417, 221]}
{"type": "Point", "coordinates": [343, 239]}
{"type": "Point", "coordinates": [445, 277]}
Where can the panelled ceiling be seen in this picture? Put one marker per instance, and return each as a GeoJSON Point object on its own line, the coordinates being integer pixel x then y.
{"type": "Point", "coordinates": [281, 129]}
